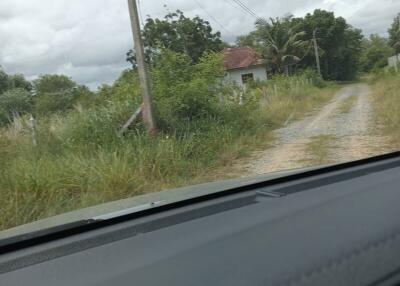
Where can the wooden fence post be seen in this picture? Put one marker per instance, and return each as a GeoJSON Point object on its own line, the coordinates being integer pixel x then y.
{"type": "Point", "coordinates": [32, 125]}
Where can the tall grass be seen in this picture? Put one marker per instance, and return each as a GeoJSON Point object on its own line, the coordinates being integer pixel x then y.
{"type": "Point", "coordinates": [80, 161]}
{"type": "Point", "coordinates": [386, 104]}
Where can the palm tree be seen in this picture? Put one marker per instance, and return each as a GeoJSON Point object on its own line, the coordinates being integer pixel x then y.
{"type": "Point", "coordinates": [283, 44]}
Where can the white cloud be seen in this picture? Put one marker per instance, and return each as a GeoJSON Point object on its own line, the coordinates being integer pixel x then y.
{"type": "Point", "coordinates": [88, 39]}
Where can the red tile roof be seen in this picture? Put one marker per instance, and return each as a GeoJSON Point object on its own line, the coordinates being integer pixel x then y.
{"type": "Point", "coordinates": [236, 58]}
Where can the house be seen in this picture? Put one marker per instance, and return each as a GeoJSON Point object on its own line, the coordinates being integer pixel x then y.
{"type": "Point", "coordinates": [243, 65]}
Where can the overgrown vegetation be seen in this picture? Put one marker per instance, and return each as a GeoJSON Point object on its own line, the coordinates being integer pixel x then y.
{"type": "Point", "coordinates": [290, 39]}
{"type": "Point", "coordinates": [180, 34]}
{"type": "Point", "coordinates": [80, 161]}
{"type": "Point", "coordinates": [386, 104]}
{"type": "Point", "coordinates": [375, 53]}
{"type": "Point", "coordinates": [204, 122]}
{"type": "Point", "coordinates": [394, 34]}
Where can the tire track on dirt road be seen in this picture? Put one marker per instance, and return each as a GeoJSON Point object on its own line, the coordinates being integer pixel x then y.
{"type": "Point", "coordinates": [351, 135]}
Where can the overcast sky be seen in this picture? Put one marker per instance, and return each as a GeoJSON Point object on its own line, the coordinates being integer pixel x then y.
{"type": "Point", "coordinates": [88, 39]}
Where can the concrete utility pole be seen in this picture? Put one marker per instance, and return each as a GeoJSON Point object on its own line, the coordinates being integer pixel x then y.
{"type": "Point", "coordinates": [147, 112]}
{"type": "Point", "coordinates": [316, 53]}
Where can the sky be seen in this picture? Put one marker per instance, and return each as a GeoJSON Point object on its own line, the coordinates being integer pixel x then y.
{"type": "Point", "coordinates": [87, 40]}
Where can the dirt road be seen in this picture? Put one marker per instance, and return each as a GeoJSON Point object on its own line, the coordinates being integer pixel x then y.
{"type": "Point", "coordinates": [341, 131]}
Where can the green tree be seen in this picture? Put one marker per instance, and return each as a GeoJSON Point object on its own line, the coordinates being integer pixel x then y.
{"type": "Point", "coordinates": [14, 102]}
{"type": "Point", "coordinates": [180, 34]}
{"type": "Point", "coordinates": [250, 40]}
{"type": "Point", "coordinates": [339, 42]}
{"type": "Point", "coordinates": [183, 91]}
{"type": "Point", "coordinates": [4, 81]}
{"type": "Point", "coordinates": [394, 34]}
{"type": "Point", "coordinates": [19, 81]}
{"type": "Point", "coordinates": [54, 93]}
{"type": "Point", "coordinates": [13, 81]}
{"type": "Point", "coordinates": [85, 97]}
{"type": "Point", "coordinates": [375, 52]}
{"type": "Point", "coordinates": [282, 43]}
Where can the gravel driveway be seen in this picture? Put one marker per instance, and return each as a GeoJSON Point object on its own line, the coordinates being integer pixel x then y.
{"type": "Point", "coordinates": [345, 126]}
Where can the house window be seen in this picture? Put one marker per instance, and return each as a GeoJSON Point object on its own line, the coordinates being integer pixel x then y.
{"type": "Point", "coordinates": [248, 77]}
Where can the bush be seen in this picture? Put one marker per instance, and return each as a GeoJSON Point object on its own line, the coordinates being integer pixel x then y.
{"type": "Point", "coordinates": [312, 75]}
{"type": "Point", "coordinates": [14, 102]}
{"type": "Point", "coordinates": [184, 91]}
{"type": "Point", "coordinates": [19, 81]}
{"type": "Point", "coordinates": [4, 81]}
{"type": "Point", "coordinates": [54, 93]}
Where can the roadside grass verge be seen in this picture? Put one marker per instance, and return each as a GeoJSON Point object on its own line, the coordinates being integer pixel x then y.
{"type": "Point", "coordinates": [80, 162]}
{"type": "Point", "coordinates": [386, 105]}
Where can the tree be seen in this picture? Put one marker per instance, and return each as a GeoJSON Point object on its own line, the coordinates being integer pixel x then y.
{"type": "Point", "coordinates": [185, 91]}
{"type": "Point", "coordinates": [394, 34]}
{"type": "Point", "coordinates": [14, 102]}
{"type": "Point", "coordinates": [85, 97]}
{"type": "Point", "coordinates": [19, 81]}
{"type": "Point", "coordinates": [4, 81]}
{"type": "Point", "coordinates": [375, 52]}
{"type": "Point", "coordinates": [13, 81]}
{"type": "Point", "coordinates": [54, 93]}
{"type": "Point", "coordinates": [286, 43]}
{"type": "Point", "coordinates": [250, 40]}
{"type": "Point", "coordinates": [281, 43]}
{"type": "Point", "coordinates": [180, 34]}
{"type": "Point", "coordinates": [339, 42]}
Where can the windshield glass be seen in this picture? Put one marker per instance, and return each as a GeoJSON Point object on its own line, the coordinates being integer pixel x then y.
{"type": "Point", "coordinates": [107, 100]}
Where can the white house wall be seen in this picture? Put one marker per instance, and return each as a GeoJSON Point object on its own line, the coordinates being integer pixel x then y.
{"type": "Point", "coordinates": [258, 72]}
{"type": "Point", "coordinates": [394, 61]}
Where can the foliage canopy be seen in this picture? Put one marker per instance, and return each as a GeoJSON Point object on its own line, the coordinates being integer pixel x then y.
{"type": "Point", "coordinates": [180, 34]}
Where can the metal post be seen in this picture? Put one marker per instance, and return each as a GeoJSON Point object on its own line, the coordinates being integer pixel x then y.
{"type": "Point", "coordinates": [143, 75]}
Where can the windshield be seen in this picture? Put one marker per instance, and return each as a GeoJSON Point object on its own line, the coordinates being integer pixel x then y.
{"type": "Point", "coordinates": [107, 100]}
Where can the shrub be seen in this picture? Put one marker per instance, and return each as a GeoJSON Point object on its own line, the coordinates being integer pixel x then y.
{"type": "Point", "coordinates": [312, 75]}
{"type": "Point", "coordinates": [54, 93]}
{"type": "Point", "coordinates": [184, 91]}
{"type": "Point", "coordinates": [14, 102]}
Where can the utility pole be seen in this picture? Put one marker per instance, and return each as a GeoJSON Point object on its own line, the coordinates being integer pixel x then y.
{"type": "Point", "coordinates": [316, 53]}
{"type": "Point", "coordinates": [147, 112]}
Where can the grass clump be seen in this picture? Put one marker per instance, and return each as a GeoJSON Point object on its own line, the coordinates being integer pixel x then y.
{"type": "Point", "coordinates": [318, 149]}
{"type": "Point", "coordinates": [347, 104]}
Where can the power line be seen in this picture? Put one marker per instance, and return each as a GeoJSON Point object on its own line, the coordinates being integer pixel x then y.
{"type": "Point", "coordinates": [212, 17]}
{"type": "Point", "coordinates": [252, 11]}
{"type": "Point", "coordinates": [240, 8]}
{"type": "Point", "coordinates": [245, 8]}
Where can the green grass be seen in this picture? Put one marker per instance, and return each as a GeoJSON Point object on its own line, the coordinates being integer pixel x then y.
{"type": "Point", "coordinates": [318, 150]}
{"type": "Point", "coordinates": [347, 104]}
{"type": "Point", "coordinates": [386, 105]}
{"type": "Point", "coordinates": [80, 162]}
